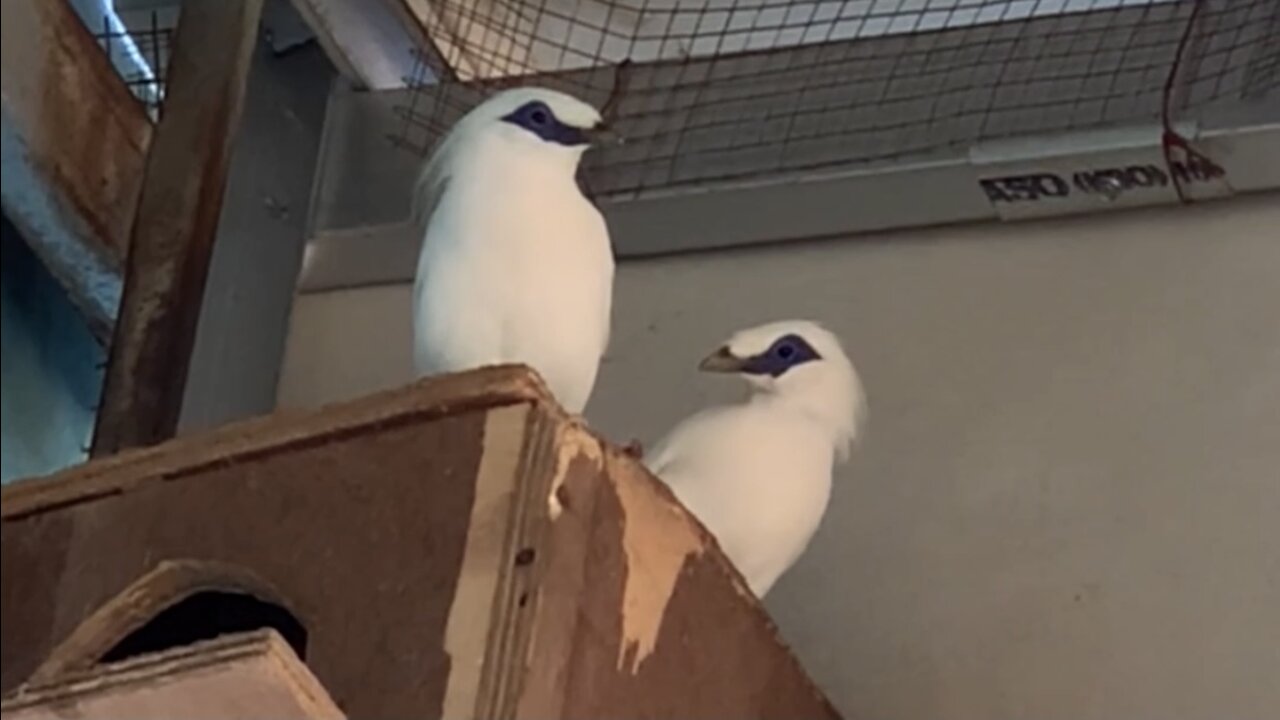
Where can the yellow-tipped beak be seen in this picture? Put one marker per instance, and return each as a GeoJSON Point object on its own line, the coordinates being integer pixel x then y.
{"type": "Point", "coordinates": [722, 360]}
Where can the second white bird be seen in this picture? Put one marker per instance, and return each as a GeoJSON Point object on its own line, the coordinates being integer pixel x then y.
{"type": "Point", "coordinates": [758, 474]}
{"type": "Point", "coordinates": [516, 264]}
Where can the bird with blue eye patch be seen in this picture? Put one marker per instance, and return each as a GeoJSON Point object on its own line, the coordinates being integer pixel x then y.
{"type": "Point", "coordinates": [516, 264]}
{"type": "Point", "coordinates": [785, 353]}
{"type": "Point", "coordinates": [757, 474]}
{"type": "Point", "coordinates": [536, 117]}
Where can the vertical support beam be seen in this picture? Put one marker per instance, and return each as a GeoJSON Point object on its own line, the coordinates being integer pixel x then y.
{"type": "Point", "coordinates": [239, 347]}
{"type": "Point", "coordinates": [176, 222]}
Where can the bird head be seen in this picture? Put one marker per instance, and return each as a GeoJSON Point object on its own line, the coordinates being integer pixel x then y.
{"type": "Point", "coordinates": [528, 127]}
{"type": "Point", "coordinates": [536, 120]}
{"type": "Point", "coordinates": [801, 364]}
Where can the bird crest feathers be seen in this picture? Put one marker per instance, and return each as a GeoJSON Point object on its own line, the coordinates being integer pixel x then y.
{"type": "Point", "coordinates": [433, 180]}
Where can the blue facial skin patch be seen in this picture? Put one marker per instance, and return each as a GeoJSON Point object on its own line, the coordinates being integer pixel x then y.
{"type": "Point", "coordinates": [538, 119]}
{"type": "Point", "coordinates": [785, 353]}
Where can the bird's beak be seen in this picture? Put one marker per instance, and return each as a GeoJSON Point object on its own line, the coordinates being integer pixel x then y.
{"type": "Point", "coordinates": [722, 361]}
{"type": "Point", "coordinates": [603, 134]}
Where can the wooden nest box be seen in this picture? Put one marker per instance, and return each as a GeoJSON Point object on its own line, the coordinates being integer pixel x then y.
{"type": "Point", "coordinates": [453, 549]}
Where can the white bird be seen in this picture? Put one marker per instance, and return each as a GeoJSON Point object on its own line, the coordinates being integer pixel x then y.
{"type": "Point", "coordinates": [516, 264]}
{"type": "Point", "coordinates": [758, 474]}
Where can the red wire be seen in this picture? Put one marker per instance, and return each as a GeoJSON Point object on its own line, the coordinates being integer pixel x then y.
{"type": "Point", "coordinates": [1170, 138]}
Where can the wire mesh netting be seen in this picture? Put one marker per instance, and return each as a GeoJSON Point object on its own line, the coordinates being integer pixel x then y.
{"type": "Point", "coordinates": [137, 44]}
{"type": "Point", "coordinates": [714, 90]}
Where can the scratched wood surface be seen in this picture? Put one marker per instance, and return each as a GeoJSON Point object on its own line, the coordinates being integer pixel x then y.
{"type": "Point", "coordinates": [252, 674]}
{"type": "Point", "coordinates": [637, 613]}
{"type": "Point", "coordinates": [354, 518]}
{"type": "Point", "coordinates": [496, 560]}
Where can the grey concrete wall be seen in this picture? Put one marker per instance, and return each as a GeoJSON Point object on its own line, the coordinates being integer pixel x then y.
{"type": "Point", "coordinates": [1067, 505]}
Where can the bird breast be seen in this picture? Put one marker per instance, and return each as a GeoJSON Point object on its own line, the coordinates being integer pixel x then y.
{"type": "Point", "coordinates": [751, 477]}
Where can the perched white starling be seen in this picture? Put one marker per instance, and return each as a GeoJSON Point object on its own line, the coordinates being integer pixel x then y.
{"type": "Point", "coordinates": [516, 264]}
{"type": "Point", "coordinates": [758, 474]}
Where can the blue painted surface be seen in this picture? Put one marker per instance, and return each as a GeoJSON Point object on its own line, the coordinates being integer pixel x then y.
{"type": "Point", "coordinates": [50, 374]}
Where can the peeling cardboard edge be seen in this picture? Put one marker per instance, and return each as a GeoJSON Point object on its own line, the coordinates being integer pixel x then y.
{"type": "Point", "coordinates": [470, 622]}
{"type": "Point", "coordinates": [156, 666]}
{"type": "Point", "coordinates": [658, 538]}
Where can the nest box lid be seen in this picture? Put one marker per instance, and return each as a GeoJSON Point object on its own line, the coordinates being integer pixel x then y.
{"type": "Point", "coordinates": [456, 548]}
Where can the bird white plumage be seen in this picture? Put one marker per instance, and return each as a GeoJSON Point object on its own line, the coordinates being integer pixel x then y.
{"type": "Point", "coordinates": [758, 473]}
{"type": "Point", "coordinates": [516, 264]}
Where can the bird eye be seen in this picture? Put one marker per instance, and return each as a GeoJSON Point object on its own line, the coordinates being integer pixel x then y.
{"type": "Point", "coordinates": [785, 351]}
{"type": "Point", "coordinates": [538, 116]}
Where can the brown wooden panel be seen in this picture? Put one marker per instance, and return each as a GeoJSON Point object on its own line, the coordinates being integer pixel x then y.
{"type": "Point", "coordinates": [457, 548]}
{"type": "Point", "coordinates": [355, 517]}
{"type": "Point", "coordinates": [247, 675]}
{"type": "Point", "coordinates": [639, 615]}
{"type": "Point", "coordinates": [80, 135]}
{"type": "Point", "coordinates": [84, 127]}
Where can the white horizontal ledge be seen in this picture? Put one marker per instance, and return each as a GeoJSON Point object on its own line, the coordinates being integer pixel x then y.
{"type": "Point", "coordinates": [947, 190]}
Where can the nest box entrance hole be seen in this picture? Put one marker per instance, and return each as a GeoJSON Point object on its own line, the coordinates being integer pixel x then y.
{"type": "Point", "coordinates": [177, 603]}
{"type": "Point", "coordinates": [206, 615]}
